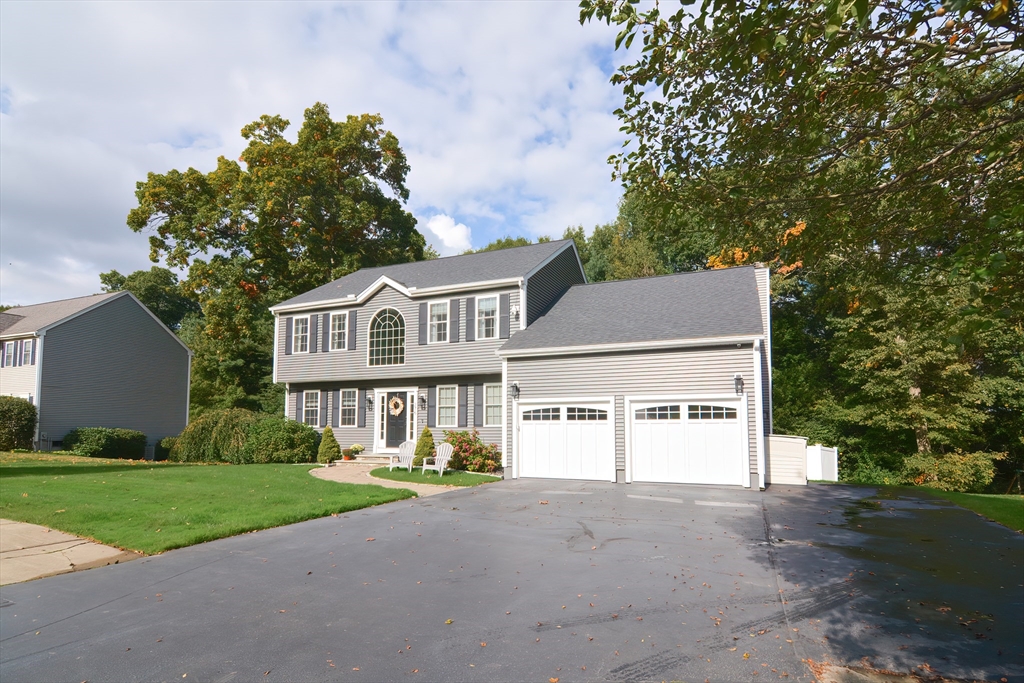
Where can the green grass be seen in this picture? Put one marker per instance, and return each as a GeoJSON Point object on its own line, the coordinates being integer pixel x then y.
{"type": "Point", "coordinates": [450, 478]}
{"type": "Point", "coordinates": [151, 507]}
{"type": "Point", "coordinates": [1007, 510]}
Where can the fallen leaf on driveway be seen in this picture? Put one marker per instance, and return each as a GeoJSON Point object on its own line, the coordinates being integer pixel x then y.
{"type": "Point", "coordinates": [371, 539]}
{"type": "Point", "coordinates": [544, 502]}
{"type": "Point", "coordinates": [449, 621]}
{"type": "Point", "coordinates": [483, 644]}
{"type": "Point", "coordinates": [552, 680]}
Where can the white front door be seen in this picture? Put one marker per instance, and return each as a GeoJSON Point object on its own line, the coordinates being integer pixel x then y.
{"type": "Point", "coordinates": [687, 442]}
{"type": "Point", "coordinates": [394, 419]}
{"type": "Point", "coordinates": [567, 440]}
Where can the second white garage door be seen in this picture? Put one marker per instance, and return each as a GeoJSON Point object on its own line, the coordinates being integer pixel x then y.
{"type": "Point", "coordinates": [687, 443]}
{"type": "Point", "coordinates": [567, 440]}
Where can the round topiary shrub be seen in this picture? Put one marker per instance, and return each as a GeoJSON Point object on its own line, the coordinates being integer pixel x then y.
{"type": "Point", "coordinates": [214, 436]}
{"type": "Point", "coordinates": [17, 423]}
{"type": "Point", "coordinates": [275, 439]}
{"type": "Point", "coordinates": [329, 450]}
{"type": "Point", "coordinates": [424, 447]}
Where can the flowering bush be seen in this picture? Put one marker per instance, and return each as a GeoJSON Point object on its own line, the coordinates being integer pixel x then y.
{"type": "Point", "coordinates": [471, 454]}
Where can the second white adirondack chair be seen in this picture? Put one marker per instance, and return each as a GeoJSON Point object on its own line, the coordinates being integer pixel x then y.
{"type": "Point", "coordinates": [444, 454]}
{"type": "Point", "coordinates": [406, 454]}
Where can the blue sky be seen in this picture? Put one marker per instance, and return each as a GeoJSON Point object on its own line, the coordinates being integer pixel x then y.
{"type": "Point", "coordinates": [503, 108]}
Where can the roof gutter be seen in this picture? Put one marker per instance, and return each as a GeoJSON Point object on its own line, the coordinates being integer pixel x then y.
{"type": "Point", "coordinates": [627, 346]}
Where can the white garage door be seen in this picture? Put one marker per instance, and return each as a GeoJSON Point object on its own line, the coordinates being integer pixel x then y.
{"type": "Point", "coordinates": [687, 443]}
{"type": "Point", "coordinates": [567, 441]}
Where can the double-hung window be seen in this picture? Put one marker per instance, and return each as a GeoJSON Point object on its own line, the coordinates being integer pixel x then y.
{"type": "Point", "coordinates": [311, 408]}
{"type": "Point", "coordinates": [487, 317]}
{"type": "Point", "coordinates": [9, 351]}
{"type": "Point", "coordinates": [348, 407]}
{"type": "Point", "coordinates": [492, 405]}
{"type": "Point", "coordinates": [447, 405]}
{"type": "Point", "coordinates": [26, 352]}
{"type": "Point", "coordinates": [439, 322]}
{"type": "Point", "coordinates": [338, 321]}
{"type": "Point", "coordinates": [300, 335]}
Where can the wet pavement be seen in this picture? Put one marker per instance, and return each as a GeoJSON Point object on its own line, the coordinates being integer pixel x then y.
{"type": "Point", "coordinates": [537, 580]}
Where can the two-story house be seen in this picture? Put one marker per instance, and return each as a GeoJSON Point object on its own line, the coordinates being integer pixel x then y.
{"type": "Point", "coordinates": [663, 379]}
{"type": "Point", "coordinates": [95, 361]}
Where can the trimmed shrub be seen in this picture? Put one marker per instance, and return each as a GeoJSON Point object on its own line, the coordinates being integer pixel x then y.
{"type": "Point", "coordinates": [17, 423]}
{"type": "Point", "coordinates": [276, 439]}
{"type": "Point", "coordinates": [471, 454]}
{"type": "Point", "coordinates": [872, 474]}
{"type": "Point", "coordinates": [424, 447]}
{"type": "Point", "coordinates": [959, 471]}
{"type": "Point", "coordinates": [163, 449]}
{"type": "Point", "coordinates": [329, 450]}
{"type": "Point", "coordinates": [105, 442]}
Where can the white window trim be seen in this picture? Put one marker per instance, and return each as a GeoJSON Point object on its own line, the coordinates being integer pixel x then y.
{"type": "Point", "coordinates": [500, 404]}
{"type": "Point", "coordinates": [447, 321]}
{"type": "Point", "coordinates": [305, 397]}
{"type": "Point", "coordinates": [295, 336]}
{"type": "Point", "coordinates": [497, 315]}
{"type": "Point", "coordinates": [26, 352]}
{"type": "Point", "coordinates": [405, 338]}
{"type": "Point", "coordinates": [437, 408]}
{"type": "Point", "coordinates": [330, 333]}
{"type": "Point", "coordinates": [10, 349]}
{"type": "Point", "coordinates": [341, 408]}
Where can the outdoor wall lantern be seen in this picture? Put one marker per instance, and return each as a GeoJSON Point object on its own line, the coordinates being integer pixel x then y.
{"type": "Point", "coordinates": [369, 400]}
{"type": "Point", "coordinates": [515, 389]}
{"type": "Point", "coordinates": [515, 312]}
{"type": "Point", "coordinates": [737, 381]}
{"type": "Point", "coordinates": [423, 402]}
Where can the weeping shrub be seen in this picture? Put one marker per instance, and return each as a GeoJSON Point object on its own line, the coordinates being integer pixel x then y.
{"type": "Point", "coordinates": [214, 436]}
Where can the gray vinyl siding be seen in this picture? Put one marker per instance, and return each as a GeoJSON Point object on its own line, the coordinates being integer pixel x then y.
{"type": "Point", "coordinates": [545, 286]}
{"type": "Point", "coordinates": [346, 436]}
{"type": "Point", "coordinates": [762, 276]}
{"type": "Point", "coordinates": [18, 380]}
{"type": "Point", "coordinates": [690, 372]}
{"type": "Point", "coordinates": [429, 360]}
{"type": "Point", "coordinates": [114, 366]}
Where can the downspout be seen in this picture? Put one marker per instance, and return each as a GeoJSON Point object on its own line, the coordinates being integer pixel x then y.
{"type": "Point", "coordinates": [39, 387]}
{"type": "Point", "coordinates": [188, 389]}
{"type": "Point", "coordinates": [507, 453]}
{"type": "Point", "coordinates": [759, 413]}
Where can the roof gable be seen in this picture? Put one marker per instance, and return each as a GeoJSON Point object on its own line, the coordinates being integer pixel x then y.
{"type": "Point", "coordinates": [449, 272]}
{"type": "Point", "coordinates": [31, 319]}
{"type": "Point", "coordinates": [685, 306]}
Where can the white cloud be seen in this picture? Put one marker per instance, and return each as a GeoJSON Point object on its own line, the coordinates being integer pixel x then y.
{"type": "Point", "coordinates": [503, 108]}
{"type": "Point", "coordinates": [447, 236]}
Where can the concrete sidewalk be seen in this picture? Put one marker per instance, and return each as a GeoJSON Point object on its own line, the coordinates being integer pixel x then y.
{"type": "Point", "coordinates": [350, 473]}
{"type": "Point", "coordinates": [30, 551]}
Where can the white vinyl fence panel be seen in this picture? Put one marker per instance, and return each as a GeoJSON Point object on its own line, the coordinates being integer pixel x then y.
{"type": "Point", "coordinates": [822, 463]}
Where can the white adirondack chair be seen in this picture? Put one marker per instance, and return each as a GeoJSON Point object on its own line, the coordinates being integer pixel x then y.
{"type": "Point", "coordinates": [406, 454]}
{"type": "Point", "coordinates": [444, 454]}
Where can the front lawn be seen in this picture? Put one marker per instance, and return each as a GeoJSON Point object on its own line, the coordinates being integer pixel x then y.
{"type": "Point", "coordinates": [1007, 510]}
{"type": "Point", "coordinates": [152, 507]}
{"type": "Point", "coordinates": [450, 478]}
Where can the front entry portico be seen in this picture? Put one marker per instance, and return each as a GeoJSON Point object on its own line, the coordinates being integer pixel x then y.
{"type": "Point", "coordinates": [395, 419]}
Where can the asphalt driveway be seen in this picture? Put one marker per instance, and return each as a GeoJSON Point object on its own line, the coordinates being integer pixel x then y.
{"type": "Point", "coordinates": [541, 580]}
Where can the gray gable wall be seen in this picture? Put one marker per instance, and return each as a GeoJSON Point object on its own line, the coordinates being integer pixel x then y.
{"type": "Point", "coordinates": [22, 320]}
{"type": "Point", "coordinates": [702, 304]}
{"type": "Point", "coordinates": [442, 272]}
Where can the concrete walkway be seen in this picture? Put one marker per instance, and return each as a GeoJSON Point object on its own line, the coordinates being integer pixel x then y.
{"type": "Point", "coordinates": [30, 551]}
{"type": "Point", "coordinates": [350, 473]}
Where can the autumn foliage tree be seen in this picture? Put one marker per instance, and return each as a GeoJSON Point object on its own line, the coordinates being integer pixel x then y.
{"type": "Point", "coordinates": [283, 219]}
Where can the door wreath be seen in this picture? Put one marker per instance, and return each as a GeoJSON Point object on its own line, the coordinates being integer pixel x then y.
{"type": "Point", "coordinates": [396, 405]}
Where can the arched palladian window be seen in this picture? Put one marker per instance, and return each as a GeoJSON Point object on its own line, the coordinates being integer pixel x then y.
{"type": "Point", "coordinates": [387, 338]}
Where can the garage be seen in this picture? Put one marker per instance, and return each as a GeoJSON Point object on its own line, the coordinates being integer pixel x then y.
{"type": "Point", "coordinates": [567, 440]}
{"type": "Point", "coordinates": [687, 442]}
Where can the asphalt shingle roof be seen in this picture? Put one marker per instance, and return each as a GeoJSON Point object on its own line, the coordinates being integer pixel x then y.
{"type": "Point", "coordinates": [442, 272]}
{"type": "Point", "coordinates": [28, 319]}
{"type": "Point", "coordinates": [709, 303]}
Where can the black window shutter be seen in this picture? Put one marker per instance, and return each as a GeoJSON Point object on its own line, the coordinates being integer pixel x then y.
{"type": "Point", "coordinates": [431, 406]}
{"type": "Point", "coordinates": [471, 319]}
{"type": "Point", "coordinates": [3, 353]}
{"type": "Point", "coordinates": [478, 405]}
{"type": "Point", "coordinates": [503, 316]}
{"type": "Point", "coordinates": [335, 407]}
{"type": "Point", "coordinates": [453, 321]}
{"type": "Point", "coordinates": [287, 336]}
{"type": "Point", "coordinates": [33, 352]}
{"type": "Point", "coordinates": [463, 405]}
{"type": "Point", "coordinates": [361, 409]}
{"type": "Point", "coordinates": [325, 344]}
{"type": "Point", "coordinates": [350, 330]}
{"type": "Point", "coordinates": [312, 332]}
{"type": "Point", "coordinates": [423, 323]}
{"type": "Point", "coordinates": [323, 409]}
{"type": "Point", "coordinates": [299, 417]}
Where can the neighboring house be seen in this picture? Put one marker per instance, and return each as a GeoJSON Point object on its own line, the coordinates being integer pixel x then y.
{"type": "Point", "coordinates": [95, 361]}
{"type": "Point", "coordinates": [662, 379]}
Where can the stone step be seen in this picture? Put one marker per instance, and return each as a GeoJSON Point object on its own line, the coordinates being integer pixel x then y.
{"type": "Point", "coordinates": [367, 459]}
